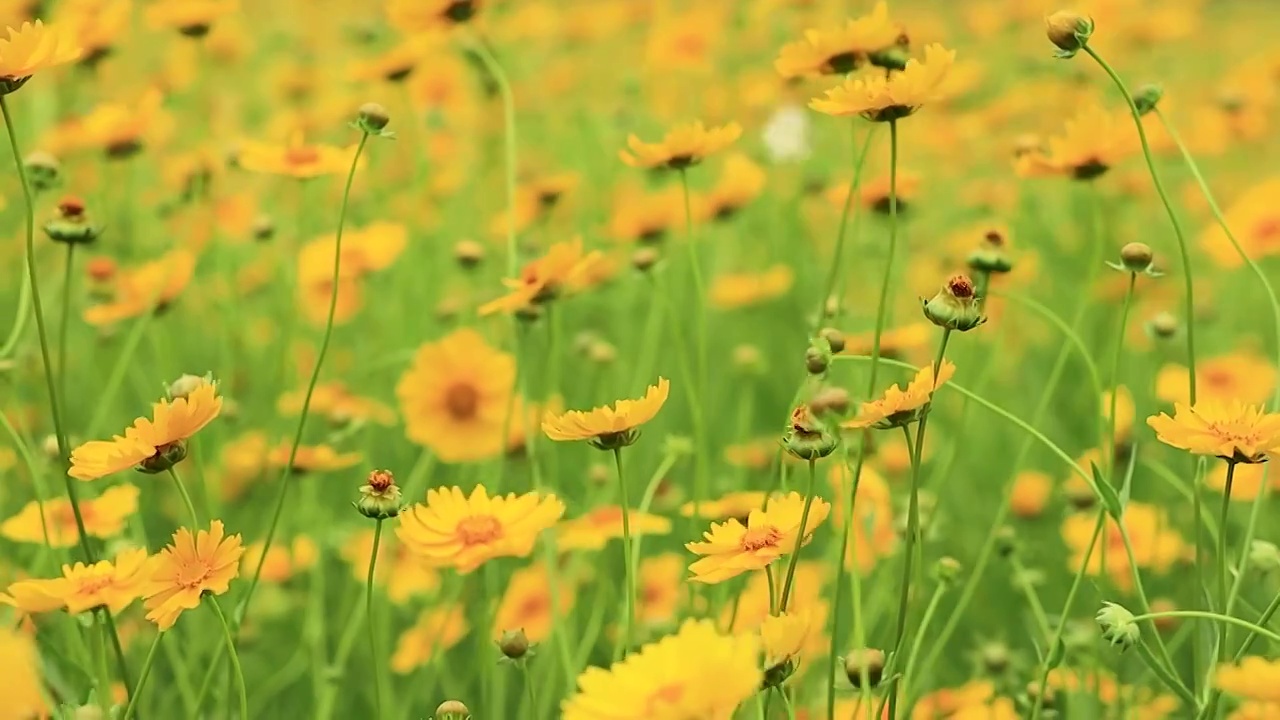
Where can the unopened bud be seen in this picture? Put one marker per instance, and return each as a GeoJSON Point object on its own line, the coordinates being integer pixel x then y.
{"type": "Point", "coordinates": [42, 170]}
{"type": "Point", "coordinates": [1136, 257]}
{"type": "Point", "coordinates": [452, 710]}
{"type": "Point", "coordinates": [947, 569]}
{"type": "Point", "coordinates": [72, 224]}
{"type": "Point", "coordinates": [372, 118]}
{"type": "Point", "coordinates": [990, 256]}
{"type": "Point", "coordinates": [830, 399]}
{"type": "Point", "coordinates": [1068, 31]}
{"type": "Point", "coordinates": [468, 253]}
{"type": "Point", "coordinates": [994, 657]}
{"type": "Point", "coordinates": [514, 644]}
{"type": "Point", "coordinates": [1006, 541]}
{"type": "Point", "coordinates": [834, 338]}
{"type": "Point", "coordinates": [645, 258]}
{"type": "Point", "coordinates": [263, 228]}
{"type": "Point", "coordinates": [1164, 325]}
{"type": "Point", "coordinates": [1146, 97]}
{"type": "Point", "coordinates": [864, 662]}
{"type": "Point", "coordinates": [816, 360]}
{"type": "Point", "coordinates": [1118, 626]}
{"type": "Point", "coordinates": [956, 306]}
{"type": "Point", "coordinates": [1264, 556]}
{"type": "Point", "coordinates": [808, 437]}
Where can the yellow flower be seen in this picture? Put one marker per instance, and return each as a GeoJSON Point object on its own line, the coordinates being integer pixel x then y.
{"type": "Point", "coordinates": [746, 289]}
{"type": "Point", "coordinates": [151, 445]}
{"type": "Point", "coordinates": [1232, 431]}
{"type": "Point", "coordinates": [564, 268]}
{"type": "Point", "coordinates": [455, 397]}
{"type": "Point", "coordinates": [732, 548]}
{"type": "Point", "coordinates": [659, 588]}
{"type": "Point", "coordinates": [110, 584]}
{"type": "Point", "coordinates": [312, 458]}
{"type": "Point", "coordinates": [452, 529]}
{"type": "Point", "coordinates": [189, 17]}
{"type": "Point", "coordinates": [30, 49]}
{"type": "Point", "coordinates": [1247, 481]}
{"type": "Point", "coordinates": [1254, 678]}
{"type": "Point", "coordinates": [187, 569]}
{"type": "Point", "coordinates": [696, 673]}
{"type": "Point", "coordinates": [104, 517]}
{"type": "Point", "coordinates": [898, 407]}
{"type": "Point", "coordinates": [873, 535]}
{"type": "Point", "coordinates": [608, 427]}
{"type": "Point", "coordinates": [1031, 491]}
{"type": "Point", "coordinates": [893, 341]}
{"type": "Point", "coordinates": [880, 98]}
{"type": "Point", "coordinates": [1243, 376]}
{"type": "Point", "coordinates": [437, 630]}
{"type": "Point", "coordinates": [1091, 143]}
{"type": "Point", "coordinates": [96, 25]}
{"type": "Point", "coordinates": [1125, 412]}
{"type": "Point", "coordinates": [740, 182]}
{"type": "Point", "coordinates": [526, 604]}
{"type": "Point", "coordinates": [404, 574]}
{"type": "Point", "coordinates": [419, 16]}
{"type": "Point", "coordinates": [283, 561]}
{"type": "Point", "coordinates": [1155, 546]}
{"type": "Point", "coordinates": [119, 129]}
{"type": "Point", "coordinates": [149, 287]}
{"type": "Point", "coordinates": [294, 159]}
{"type": "Point", "coordinates": [20, 665]}
{"type": "Point", "coordinates": [753, 602]}
{"type": "Point", "coordinates": [1254, 219]}
{"type": "Point", "coordinates": [336, 402]}
{"type": "Point", "coordinates": [599, 526]}
{"type": "Point", "coordinates": [839, 50]}
{"type": "Point", "coordinates": [683, 146]}
{"type": "Point", "coordinates": [730, 505]}
{"type": "Point", "coordinates": [783, 638]}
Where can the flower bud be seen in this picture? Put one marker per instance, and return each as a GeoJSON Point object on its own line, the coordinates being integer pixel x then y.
{"type": "Point", "coordinates": [946, 570]}
{"type": "Point", "coordinates": [468, 253]}
{"type": "Point", "coordinates": [72, 224]}
{"type": "Point", "coordinates": [1264, 556]}
{"type": "Point", "coordinates": [1135, 257]}
{"type": "Point", "coordinates": [1146, 97]}
{"type": "Point", "coordinates": [956, 306]}
{"type": "Point", "coordinates": [165, 457]}
{"type": "Point", "coordinates": [49, 446]}
{"type": "Point", "coordinates": [808, 438]}
{"type": "Point", "coordinates": [1068, 31]}
{"type": "Point", "coordinates": [1006, 541]}
{"type": "Point", "coordinates": [42, 170]}
{"type": "Point", "coordinates": [452, 710]}
{"type": "Point", "coordinates": [816, 360]}
{"type": "Point", "coordinates": [830, 399]}
{"type": "Point", "coordinates": [1118, 626]}
{"type": "Point", "coordinates": [599, 474]}
{"type": "Point", "coordinates": [379, 496]}
{"type": "Point", "coordinates": [892, 58]}
{"type": "Point", "coordinates": [834, 338]}
{"type": "Point", "coordinates": [187, 384]}
{"type": "Point", "coordinates": [601, 352]}
{"type": "Point", "coordinates": [514, 644]}
{"type": "Point", "coordinates": [264, 228]}
{"type": "Point", "coordinates": [868, 662]}
{"type": "Point", "coordinates": [1164, 325]}
{"type": "Point", "coordinates": [994, 657]}
{"type": "Point", "coordinates": [990, 256]}
{"type": "Point", "coordinates": [372, 118]}
{"type": "Point", "coordinates": [645, 258]}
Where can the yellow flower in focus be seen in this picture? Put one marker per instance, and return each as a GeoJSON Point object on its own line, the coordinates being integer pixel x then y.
{"type": "Point", "coordinates": [740, 290]}
{"type": "Point", "coordinates": [696, 673]}
{"type": "Point", "coordinates": [110, 584]}
{"type": "Point", "coordinates": [732, 548]}
{"type": "Point", "coordinates": [294, 159]}
{"type": "Point", "coordinates": [565, 268]}
{"type": "Point", "coordinates": [1253, 678]}
{"type": "Point", "coordinates": [187, 569]}
{"type": "Point", "coordinates": [460, 531]}
{"type": "Point", "coordinates": [20, 665]}
{"type": "Point", "coordinates": [312, 458]}
{"type": "Point", "coordinates": [608, 427]}
{"type": "Point", "coordinates": [683, 146]}
{"type": "Point", "coordinates": [879, 98]}
{"type": "Point", "coordinates": [898, 407]}
{"type": "Point", "coordinates": [597, 527]}
{"type": "Point", "coordinates": [152, 445]}
{"type": "Point", "coordinates": [283, 561]}
{"type": "Point", "coordinates": [189, 17]}
{"type": "Point", "coordinates": [149, 287]}
{"type": "Point", "coordinates": [104, 517]}
{"type": "Point", "coordinates": [839, 50]}
{"type": "Point", "coordinates": [30, 49]}
{"type": "Point", "coordinates": [455, 395]}
{"type": "Point", "coordinates": [437, 630]}
{"type": "Point", "coordinates": [1232, 431]}
{"type": "Point", "coordinates": [1243, 376]}
{"type": "Point", "coordinates": [526, 604]}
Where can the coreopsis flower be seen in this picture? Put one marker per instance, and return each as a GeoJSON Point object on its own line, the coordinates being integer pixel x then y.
{"type": "Point", "coordinates": [783, 638]}
{"type": "Point", "coordinates": [104, 517]}
{"type": "Point", "coordinates": [873, 535]}
{"type": "Point", "coordinates": [187, 569]}
{"type": "Point", "coordinates": [455, 397]}
{"type": "Point", "coordinates": [113, 584]}
{"type": "Point", "coordinates": [437, 630]}
{"type": "Point", "coordinates": [30, 49]}
{"type": "Point", "coordinates": [732, 547]}
{"type": "Point", "coordinates": [461, 531]}
{"type": "Point", "coordinates": [730, 505]}
{"type": "Point", "coordinates": [1230, 430]}
{"type": "Point", "coordinates": [526, 604]}
{"type": "Point", "coordinates": [294, 159]}
{"type": "Point", "coordinates": [1253, 678]}
{"type": "Point", "coordinates": [1030, 493]}
{"type": "Point", "coordinates": [564, 268]}
{"type": "Point", "coordinates": [24, 691]}
{"type": "Point", "coordinates": [283, 561]}
{"type": "Point", "coordinates": [312, 458]}
{"type": "Point", "coordinates": [879, 98]}
{"type": "Point", "coordinates": [646, 217]}
{"type": "Point", "coordinates": [740, 182]}
{"type": "Point", "coordinates": [608, 427]}
{"type": "Point", "coordinates": [95, 25]}
{"type": "Point", "coordinates": [192, 18]}
{"type": "Point", "coordinates": [1254, 218]}
{"type": "Point", "coordinates": [894, 342]}
{"type": "Point", "coordinates": [738, 290]}
{"type": "Point", "coordinates": [898, 407]}
{"type": "Point", "coordinates": [1092, 142]}
{"type": "Point", "coordinates": [420, 16]}
{"type": "Point", "coordinates": [150, 445]}
{"type": "Point", "coordinates": [659, 589]}
{"type": "Point", "coordinates": [403, 574]}
{"type": "Point", "coordinates": [395, 64]}
{"type": "Point", "coordinates": [1156, 546]}
{"type": "Point", "coordinates": [696, 673]}
{"type": "Point", "coordinates": [839, 50]}
{"type": "Point", "coordinates": [150, 287]}
{"type": "Point", "coordinates": [336, 402]}
{"type": "Point", "coordinates": [1245, 376]}
{"type": "Point", "coordinates": [683, 146]}
{"type": "Point", "coordinates": [365, 250]}
{"type": "Point", "coordinates": [118, 129]}
{"type": "Point", "coordinates": [602, 524]}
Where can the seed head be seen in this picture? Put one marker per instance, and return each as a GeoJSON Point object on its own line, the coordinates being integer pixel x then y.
{"type": "Point", "coordinates": [514, 644]}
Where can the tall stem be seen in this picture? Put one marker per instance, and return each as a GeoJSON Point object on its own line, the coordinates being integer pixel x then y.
{"type": "Point", "coordinates": [186, 498]}
{"type": "Point", "coordinates": [235, 658]}
{"type": "Point", "coordinates": [630, 581]}
{"type": "Point", "coordinates": [795, 551]}
{"type": "Point", "coordinates": [64, 324]}
{"type": "Point", "coordinates": [1220, 560]}
{"type": "Point", "coordinates": [833, 275]}
{"type": "Point", "coordinates": [698, 388]}
{"type": "Point", "coordinates": [1110, 439]}
{"type": "Point", "coordinates": [142, 678]}
{"type": "Point", "coordinates": [374, 658]}
{"type": "Point", "coordinates": [283, 492]}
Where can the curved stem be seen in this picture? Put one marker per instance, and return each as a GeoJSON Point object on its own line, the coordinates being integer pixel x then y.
{"type": "Point", "coordinates": [235, 658]}
{"type": "Point", "coordinates": [142, 678]}
{"type": "Point", "coordinates": [1215, 617]}
{"type": "Point", "coordinates": [833, 275]}
{"type": "Point", "coordinates": [373, 631]}
{"type": "Point", "coordinates": [908, 675]}
{"type": "Point", "coordinates": [1167, 677]}
{"type": "Point", "coordinates": [795, 551]}
{"type": "Point", "coordinates": [1037, 608]}
{"type": "Point", "coordinates": [1263, 619]}
{"type": "Point", "coordinates": [115, 379]}
{"type": "Point", "coordinates": [19, 320]}
{"type": "Point", "coordinates": [629, 619]}
{"type": "Point", "coordinates": [499, 75]}
{"type": "Point", "coordinates": [186, 498]}
{"type": "Point", "coordinates": [1072, 336]}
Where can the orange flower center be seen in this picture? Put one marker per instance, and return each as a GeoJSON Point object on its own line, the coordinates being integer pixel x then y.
{"type": "Point", "coordinates": [462, 400]}
{"type": "Point", "coordinates": [94, 584]}
{"type": "Point", "coordinates": [191, 575]}
{"type": "Point", "coordinates": [606, 516]}
{"type": "Point", "coordinates": [479, 529]}
{"type": "Point", "coordinates": [533, 607]}
{"type": "Point", "coordinates": [763, 537]}
{"type": "Point", "coordinates": [301, 155]}
{"type": "Point", "coordinates": [1268, 230]}
{"type": "Point", "coordinates": [1218, 378]}
{"type": "Point", "coordinates": [665, 695]}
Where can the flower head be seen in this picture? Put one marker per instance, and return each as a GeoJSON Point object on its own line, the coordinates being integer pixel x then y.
{"type": "Point", "coordinates": [526, 604]}
{"type": "Point", "coordinates": [104, 517]}
{"type": "Point", "coordinates": [437, 630]}
{"type": "Point", "coordinates": [564, 268]}
{"type": "Point", "coordinates": [898, 407]}
{"type": "Point", "coordinates": [879, 98]}
{"type": "Point", "coordinates": [957, 305]}
{"type": "Point", "coordinates": [732, 547]}
{"type": "Point", "coordinates": [841, 49]}
{"type": "Point", "coordinates": [379, 496]}
{"type": "Point", "coordinates": [311, 458]}
{"type": "Point", "coordinates": [1253, 678]}
{"type": "Point", "coordinates": [608, 427]}
{"type": "Point", "coordinates": [189, 567]}
{"type": "Point", "coordinates": [189, 17]}
{"type": "Point", "coordinates": [783, 639]}
{"type": "Point", "coordinates": [461, 531]}
{"type": "Point", "coordinates": [110, 584]}
{"type": "Point", "coordinates": [294, 159]}
{"type": "Point", "coordinates": [596, 528]}
{"type": "Point", "coordinates": [30, 49]}
{"type": "Point", "coordinates": [683, 146]}
{"type": "Point", "coordinates": [150, 287]}
{"type": "Point", "coordinates": [1091, 143]}
{"type": "Point", "coordinates": [1230, 430]}
{"type": "Point", "coordinates": [24, 691]}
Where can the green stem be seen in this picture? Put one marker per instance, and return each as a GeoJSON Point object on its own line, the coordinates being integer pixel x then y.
{"type": "Point", "coordinates": [630, 581]}
{"type": "Point", "coordinates": [65, 324]}
{"type": "Point", "coordinates": [283, 492]}
{"type": "Point", "coordinates": [702, 471]}
{"type": "Point", "coordinates": [908, 676]}
{"type": "Point", "coordinates": [499, 76]}
{"type": "Point", "coordinates": [1167, 677]}
{"type": "Point", "coordinates": [1215, 617]}
{"type": "Point", "coordinates": [124, 361]}
{"type": "Point", "coordinates": [833, 275]}
{"type": "Point", "coordinates": [375, 659]}
{"type": "Point", "coordinates": [773, 589]}
{"type": "Point", "coordinates": [804, 524]}
{"type": "Point", "coordinates": [142, 678]}
{"type": "Point", "coordinates": [533, 693]}
{"type": "Point", "coordinates": [1109, 441]}
{"type": "Point", "coordinates": [235, 657]}
{"type": "Point", "coordinates": [1037, 608]}
{"type": "Point", "coordinates": [186, 499]}
{"type": "Point", "coordinates": [19, 320]}
{"type": "Point", "coordinates": [1224, 631]}
{"type": "Point", "coordinates": [1263, 619]}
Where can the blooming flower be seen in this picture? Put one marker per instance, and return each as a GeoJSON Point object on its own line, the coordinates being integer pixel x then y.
{"type": "Point", "coordinates": [336, 402]}
{"type": "Point", "coordinates": [730, 505]}
{"type": "Point", "coordinates": [110, 584]}
{"type": "Point", "coordinates": [608, 427]}
{"type": "Point", "coordinates": [898, 407]}
{"type": "Point", "coordinates": [1255, 221]}
{"type": "Point", "coordinates": [189, 567]}
{"type": "Point", "coordinates": [1155, 545]}
{"type": "Point", "coordinates": [599, 526]}
{"type": "Point", "coordinates": [696, 673]}
{"type": "Point", "coordinates": [753, 603]}
{"type": "Point", "coordinates": [880, 98]}
{"type": "Point", "coordinates": [151, 445]}
{"type": "Point", "coordinates": [683, 146]}
{"type": "Point", "coordinates": [1244, 376]}
{"type": "Point", "coordinates": [30, 49]}
{"type": "Point", "coordinates": [783, 637]}
{"type": "Point", "coordinates": [402, 573]}
{"type": "Point", "coordinates": [312, 458]}
{"type": "Point", "coordinates": [659, 588]}
{"type": "Point", "coordinates": [1232, 431]}
{"type": "Point", "coordinates": [453, 529]}
{"type": "Point", "coordinates": [564, 268]}
{"type": "Point", "coordinates": [149, 287]}
{"type": "Point", "coordinates": [1092, 142]}
{"type": "Point", "coordinates": [840, 49]}
{"type": "Point", "coordinates": [740, 182]}
{"type": "Point", "coordinates": [526, 604]}
{"type": "Point", "coordinates": [294, 159]}
{"type": "Point", "coordinates": [283, 560]}
{"type": "Point", "coordinates": [732, 548]}
{"type": "Point", "coordinates": [437, 630]}
{"type": "Point", "coordinates": [1253, 678]}
{"type": "Point", "coordinates": [739, 290]}
{"type": "Point", "coordinates": [104, 517]}
{"type": "Point", "coordinates": [1247, 480]}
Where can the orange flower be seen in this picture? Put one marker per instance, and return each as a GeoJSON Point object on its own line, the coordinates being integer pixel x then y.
{"type": "Point", "coordinates": [1092, 142]}
{"type": "Point", "coordinates": [732, 548]}
{"type": "Point", "coordinates": [30, 49]}
{"type": "Point", "coordinates": [149, 287]}
{"type": "Point", "coordinates": [593, 530]}
{"type": "Point", "coordinates": [104, 517]}
{"type": "Point", "coordinates": [879, 98]}
{"type": "Point", "coordinates": [899, 407]}
{"type": "Point", "coordinates": [312, 458]}
{"type": "Point", "coordinates": [526, 604]}
{"type": "Point", "coordinates": [746, 289]}
{"type": "Point", "coordinates": [295, 159]}
{"type": "Point", "coordinates": [110, 584]}
{"type": "Point", "coordinates": [730, 505]}
{"type": "Point", "coordinates": [841, 49]}
{"type": "Point", "coordinates": [1232, 431]}
{"type": "Point", "coordinates": [437, 630]}
{"type": "Point", "coordinates": [563, 268]}
{"type": "Point", "coordinates": [683, 146]}
{"type": "Point", "coordinates": [608, 427]}
{"type": "Point", "coordinates": [463, 532]}
{"type": "Point", "coordinates": [188, 568]}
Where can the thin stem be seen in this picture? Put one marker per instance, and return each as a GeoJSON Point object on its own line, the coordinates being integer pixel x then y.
{"type": "Point", "coordinates": [283, 492]}
{"type": "Point", "coordinates": [908, 675]}
{"type": "Point", "coordinates": [533, 693]}
{"type": "Point", "coordinates": [833, 275]}
{"type": "Point", "coordinates": [795, 551]}
{"type": "Point", "coordinates": [65, 324]}
{"type": "Point", "coordinates": [375, 659]}
{"type": "Point", "coordinates": [1263, 619]}
{"type": "Point", "coordinates": [698, 388]}
{"type": "Point", "coordinates": [106, 399]}
{"type": "Point", "coordinates": [1167, 677]}
{"type": "Point", "coordinates": [142, 678]}
{"type": "Point", "coordinates": [1037, 608]}
{"type": "Point", "coordinates": [235, 658]}
{"type": "Point", "coordinates": [773, 589]}
{"type": "Point", "coordinates": [499, 76]}
{"type": "Point", "coordinates": [1110, 440]}
{"type": "Point", "coordinates": [1224, 631]}
{"type": "Point", "coordinates": [19, 320]}
{"type": "Point", "coordinates": [1215, 617]}
{"type": "Point", "coordinates": [630, 581]}
{"type": "Point", "coordinates": [186, 498]}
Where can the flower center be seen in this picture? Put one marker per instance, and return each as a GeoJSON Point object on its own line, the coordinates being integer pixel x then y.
{"type": "Point", "coordinates": [534, 606]}
{"type": "Point", "coordinates": [1268, 230]}
{"type": "Point", "coordinates": [301, 155]}
{"type": "Point", "coordinates": [606, 516]}
{"type": "Point", "coordinates": [479, 529]}
{"type": "Point", "coordinates": [666, 695]}
{"type": "Point", "coordinates": [94, 584]}
{"type": "Point", "coordinates": [192, 575]}
{"type": "Point", "coordinates": [763, 537]}
{"type": "Point", "coordinates": [1218, 378]}
{"type": "Point", "coordinates": [461, 400]}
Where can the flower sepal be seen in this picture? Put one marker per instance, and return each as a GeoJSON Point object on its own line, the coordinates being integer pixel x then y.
{"type": "Point", "coordinates": [165, 457]}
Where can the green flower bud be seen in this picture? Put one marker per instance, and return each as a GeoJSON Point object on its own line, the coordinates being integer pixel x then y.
{"type": "Point", "coordinates": [1147, 97]}
{"type": "Point", "coordinates": [946, 570]}
{"type": "Point", "coordinates": [808, 438]}
{"type": "Point", "coordinates": [1118, 626]}
{"type": "Point", "coordinates": [379, 496]}
{"type": "Point", "coordinates": [956, 306]}
{"type": "Point", "coordinates": [864, 661]}
{"type": "Point", "coordinates": [372, 120]}
{"type": "Point", "coordinates": [186, 384]}
{"type": "Point", "coordinates": [990, 257]}
{"type": "Point", "coordinates": [514, 644]}
{"type": "Point", "coordinates": [72, 224]}
{"type": "Point", "coordinates": [1264, 556]}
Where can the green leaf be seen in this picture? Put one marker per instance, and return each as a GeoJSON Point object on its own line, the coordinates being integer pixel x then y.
{"type": "Point", "coordinates": [1127, 485]}
{"type": "Point", "coordinates": [1106, 493]}
{"type": "Point", "coordinates": [1057, 655]}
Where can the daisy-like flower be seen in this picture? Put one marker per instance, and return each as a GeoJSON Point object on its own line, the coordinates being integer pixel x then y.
{"type": "Point", "coordinates": [526, 604]}
{"type": "Point", "coordinates": [460, 531]}
{"type": "Point", "coordinates": [1231, 430]}
{"type": "Point", "coordinates": [683, 146]}
{"type": "Point", "coordinates": [741, 181]}
{"type": "Point", "coordinates": [30, 49]}
{"type": "Point", "coordinates": [783, 639]}
{"type": "Point", "coordinates": [596, 528]}
{"type": "Point", "coordinates": [879, 98]}
{"type": "Point", "coordinates": [738, 290]}
{"type": "Point", "coordinates": [294, 159]}
{"type": "Point", "coordinates": [841, 49]}
{"type": "Point", "coordinates": [312, 458]}
{"type": "Point", "coordinates": [420, 16]}
{"type": "Point", "coordinates": [898, 407]}
{"type": "Point", "coordinates": [737, 504]}
{"type": "Point", "coordinates": [1091, 143]}
{"type": "Point", "coordinates": [110, 584]}
{"type": "Point", "coordinates": [696, 673]}
{"type": "Point", "coordinates": [189, 567]}
{"type": "Point", "coordinates": [607, 427]}
{"type": "Point", "coordinates": [732, 547]}
{"type": "Point", "coordinates": [104, 518]}
{"type": "Point", "coordinates": [564, 268]}
{"type": "Point", "coordinates": [335, 401]}
{"type": "Point", "coordinates": [437, 630]}
{"type": "Point", "coordinates": [150, 445]}
{"type": "Point", "coordinates": [150, 287]}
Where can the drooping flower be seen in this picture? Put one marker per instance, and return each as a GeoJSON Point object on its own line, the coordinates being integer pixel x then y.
{"type": "Point", "coordinates": [30, 49]}
{"type": "Point", "coordinates": [187, 569]}
{"type": "Point", "coordinates": [608, 427]}
{"type": "Point", "coordinates": [526, 604]}
{"type": "Point", "coordinates": [696, 673]}
{"type": "Point", "coordinates": [104, 517]}
{"type": "Point", "coordinates": [602, 524]}
{"type": "Point", "coordinates": [150, 445]}
{"type": "Point", "coordinates": [841, 49]}
{"type": "Point", "coordinates": [565, 268]}
{"type": "Point", "coordinates": [456, 530]}
{"type": "Point", "coordinates": [898, 407]}
{"type": "Point", "coordinates": [880, 98]}
{"type": "Point", "coordinates": [732, 547]}
{"type": "Point", "coordinates": [1229, 430]}
{"type": "Point", "coordinates": [683, 146]}
{"type": "Point", "coordinates": [295, 159]}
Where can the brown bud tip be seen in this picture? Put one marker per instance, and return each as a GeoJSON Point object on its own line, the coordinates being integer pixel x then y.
{"type": "Point", "coordinates": [71, 207]}
{"type": "Point", "coordinates": [101, 268]}
{"type": "Point", "coordinates": [263, 227]}
{"type": "Point", "coordinates": [644, 258]}
{"type": "Point", "coordinates": [381, 480]}
{"type": "Point", "coordinates": [961, 286]}
{"type": "Point", "coordinates": [993, 238]}
{"type": "Point", "coordinates": [834, 338]}
{"type": "Point", "coordinates": [868, 661]}
{"type": "Point", "coordinates": [815, 361]}
{"type": "Point", "coordinates": [374, 116]}
{"type": "Point", "coordinates": [1136, 256]}
{"type": "Point", "coordinates": [468, 253]}
{"type": "Point", "coordinates": [1064, 29]}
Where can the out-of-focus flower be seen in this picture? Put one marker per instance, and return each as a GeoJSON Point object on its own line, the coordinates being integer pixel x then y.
{"type": "Point", "coordinates": [1254, 219]}
{"type": "Point", "coordinates": [112, 584]}
{"type": "Point", "coordinates": [565, 268]}
{"type": "Point", "coordinates": [739, 290]}
{"type": "Point", "coordinates": [898, 407]}
{"type": "Point", "coordinates": [420, 16]}
{"type": "Point", "coordinates": [1242, 376]}
{"type": "Point", "coordinates": [20, 663]}
{"type": "Point", "coordinates": [740, 182]}
{"type": "Point", "coordinates": [1092, 142]}
{"type": "Point", "coordinates": [437, 630]}
{"type": "Point", "coordinates": [597, 527]}
{"type": "Point", "coordinates": [683, 146]}
{"type": "Point", "coordinates": [104, 517]}
{"type": "Point", "coordinates": [1253, 678]}
{"type": "Point", "coordinates": [152, 286]}
{"type": "Point", "coordinates": [840, 49]}
{"type": "Point", "coordinates": [294, 159]}
{"type": "Point", "coordinates": [1247, 481]}
{"type": "Point", "coordinates": [1156, 546]}
{"type": "Point", "coordinates": [786, 134]}
{"type": "Point", "coordinates": [312, 458]}
{"type": "Point", "coordinates": [189, 17]}
{"type": "Point", "coordinates": [283, 560]}
{"type": "Point", "coordinates": [336, 402]}
{"type": "Point", "coordinates": [880, 98]}
{"type": "Point", "coordinates": [526, 604]}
